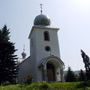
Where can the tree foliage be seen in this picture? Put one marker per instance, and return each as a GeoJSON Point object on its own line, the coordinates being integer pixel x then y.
{"type": "Point", "coordinates": [86, 61]}
{"type": "Point", "coordinates": [70, 76]}
{"type": "Point", "coordinates": [8, 63]}
{"type": "Point", "coordinates": [81, 75]}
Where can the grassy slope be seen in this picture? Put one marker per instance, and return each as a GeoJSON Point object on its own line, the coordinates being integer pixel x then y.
{"type": "Point", "coordinates": [44, 86]}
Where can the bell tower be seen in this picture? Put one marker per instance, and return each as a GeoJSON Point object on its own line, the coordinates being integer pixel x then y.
{"type": "Point", "coordinates": [43, 44]}
{"type": "Point", "coordinates": [43, 38]}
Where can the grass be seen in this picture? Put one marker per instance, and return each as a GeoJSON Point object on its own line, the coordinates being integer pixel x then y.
{"type": "Point", "coordinates": [46, 86]}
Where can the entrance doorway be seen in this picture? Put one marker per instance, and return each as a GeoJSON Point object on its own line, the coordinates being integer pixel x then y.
{"type": "Point", "coordinates": [50, 72]}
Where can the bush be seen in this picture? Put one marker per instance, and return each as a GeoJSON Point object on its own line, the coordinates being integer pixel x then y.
{"type": "Point", "coordinates": [28, 79]}
{"type": "Point", "coordinates": [45, 86]}
{"type": "Point", "coordinates": [84, 85]}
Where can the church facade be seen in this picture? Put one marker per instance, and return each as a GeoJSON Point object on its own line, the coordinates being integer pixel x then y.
{"type": "Point", "coordinates": [44, 62]}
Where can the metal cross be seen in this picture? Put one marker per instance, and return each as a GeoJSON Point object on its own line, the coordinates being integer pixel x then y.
{"type": "Point", "coordinates": [41, 8]}
{"type": "Point", "coordinates": [23, 48]}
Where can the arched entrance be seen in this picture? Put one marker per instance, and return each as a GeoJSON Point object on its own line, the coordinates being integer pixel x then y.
{"type": "Point", "coordinates": [50, 72]}
{"type": "Point", "coordinates": [52, 69]}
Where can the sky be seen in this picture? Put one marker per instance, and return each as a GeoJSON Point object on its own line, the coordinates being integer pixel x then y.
{"type": "Point", "coordinates": [71, 16]}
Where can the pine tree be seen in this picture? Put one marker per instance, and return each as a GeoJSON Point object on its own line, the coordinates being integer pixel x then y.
{"type": "Point", "coordinates": [81, 75]}
{"type": "Point", "coordinates": [8, 61]}
{"type": "Point", "coordinates": [86, 61]}
{"type": "Point", "coordinates": [70, 76]}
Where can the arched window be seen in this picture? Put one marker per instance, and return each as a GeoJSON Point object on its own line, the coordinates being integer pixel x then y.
{"type": "Point", "coordinates": [46, 36]}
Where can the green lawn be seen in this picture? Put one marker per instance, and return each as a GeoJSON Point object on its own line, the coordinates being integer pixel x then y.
{"type": "Point", "coordinates": [46, 86]}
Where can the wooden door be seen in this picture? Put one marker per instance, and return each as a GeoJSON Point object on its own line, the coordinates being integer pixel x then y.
{"type": "Point", "coordinates": [50, 72]}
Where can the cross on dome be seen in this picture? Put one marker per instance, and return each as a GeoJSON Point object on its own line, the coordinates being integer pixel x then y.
{"type": "Point", "coordinates": [41, 8]}
{"type": "Point", "coordinates": [42, 19]}
{"type": "Point", "coordinates": [23, 53]}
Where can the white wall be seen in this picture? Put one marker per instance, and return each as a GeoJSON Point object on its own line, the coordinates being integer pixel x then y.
{"type": "Point", "coordinates": [38, 44]}
{"type": "Point", "coordinates": [24, 70]}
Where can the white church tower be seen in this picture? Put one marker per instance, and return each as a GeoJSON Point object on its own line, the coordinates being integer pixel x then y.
{"type": "Point", "coordinates": [44, 63]}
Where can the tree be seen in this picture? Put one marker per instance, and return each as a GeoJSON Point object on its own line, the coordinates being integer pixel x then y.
{"type": "Point", "coordinates": [81, 75]}
{"type": "Point", "coordinates": [70, 76]}
{"type": "Point", "coordinates": [8, 61]}
{"type": "Point", "coordinates": [86, 61]}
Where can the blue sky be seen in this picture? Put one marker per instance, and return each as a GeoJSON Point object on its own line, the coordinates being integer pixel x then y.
{"type": "Point", "coordinates": [71, 16]}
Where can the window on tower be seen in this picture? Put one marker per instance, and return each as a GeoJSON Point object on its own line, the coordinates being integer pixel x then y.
{"type": "Point", "coordinates": [46, 36]}
{"type": "Point", "coordinates": [47, 48]}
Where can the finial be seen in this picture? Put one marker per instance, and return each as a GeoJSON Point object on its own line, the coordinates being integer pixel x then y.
{"type": "Point", "coordinates": [41, 8]}
{"type": "Point", "coordinates": [23, 53]}
{"type": "Point", "coordinates": [24, 48]}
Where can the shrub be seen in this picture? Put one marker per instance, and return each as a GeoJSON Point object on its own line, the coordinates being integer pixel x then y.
{"type": "Point", "coordinates": [45, 86]}
{"type": "Point", "coordinates": [28, 79]}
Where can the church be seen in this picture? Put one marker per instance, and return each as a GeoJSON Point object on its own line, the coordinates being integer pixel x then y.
{"type": "Point", "coordinates": [44, 62]}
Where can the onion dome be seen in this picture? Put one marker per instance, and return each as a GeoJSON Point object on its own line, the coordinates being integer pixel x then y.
{"type": "Point", "coordinates": [42, 20]}
{"type": "Point", "coordinates": [23, 55]}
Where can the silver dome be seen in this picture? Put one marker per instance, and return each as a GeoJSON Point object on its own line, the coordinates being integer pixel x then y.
{"type": "Point", "coordinates": [42, 20]}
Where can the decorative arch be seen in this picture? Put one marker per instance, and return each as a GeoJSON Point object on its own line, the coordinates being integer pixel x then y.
{"type": "Point", "coordinates": [51, 68]}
